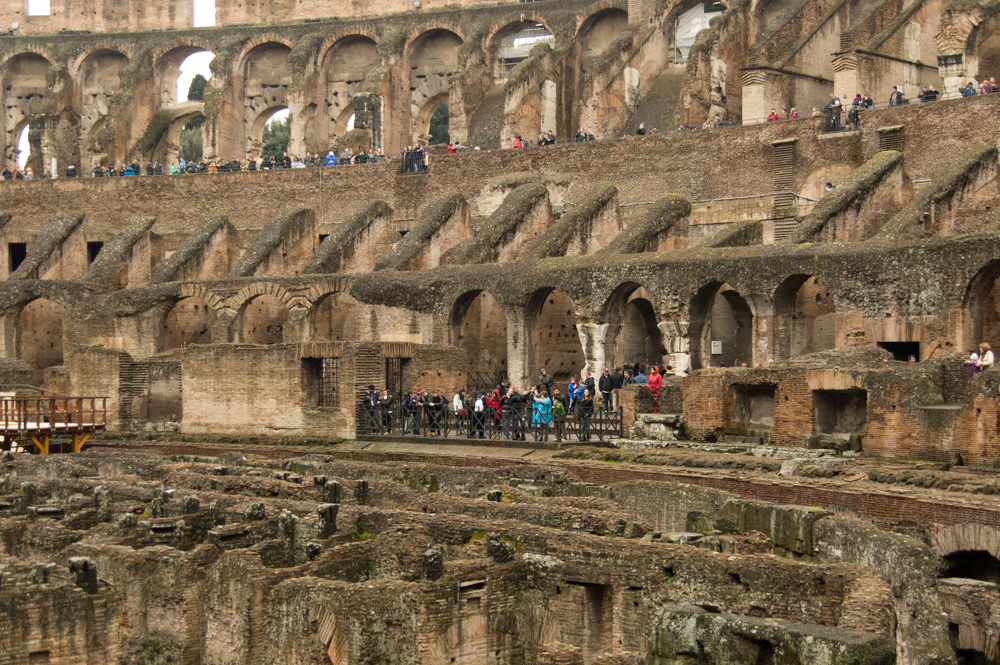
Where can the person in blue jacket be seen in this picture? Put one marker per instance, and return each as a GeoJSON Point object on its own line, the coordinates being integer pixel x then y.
{"type": "Point", "coordinates": [330, 159]}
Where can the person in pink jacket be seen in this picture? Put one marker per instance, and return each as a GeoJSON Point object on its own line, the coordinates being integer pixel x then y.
{"type": "Point", "coordinates": [655, 385]}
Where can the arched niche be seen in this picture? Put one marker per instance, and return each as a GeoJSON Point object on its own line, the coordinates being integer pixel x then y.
{"type": "Point", "coordinates": [479, 327]}
{"type": "Point", "coordinates": [720, 314]}
{"type": "Point", "coordinates": [262, 320]}
{"type": "Point", "coordinates": [553, 342]}
{"type": "Point", "coordinates": [189, 321]}
{"type": "Point", "coordinates": [39, 333]}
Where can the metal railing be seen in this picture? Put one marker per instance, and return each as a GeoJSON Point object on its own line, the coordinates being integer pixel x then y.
{"type": "Point", "coordinates": [509, 422]}
{"type": "Point", "coordinates": [413, 161]}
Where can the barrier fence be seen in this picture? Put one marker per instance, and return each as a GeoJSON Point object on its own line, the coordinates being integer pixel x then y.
{"type": "Point", "coordinates": [512, 422]}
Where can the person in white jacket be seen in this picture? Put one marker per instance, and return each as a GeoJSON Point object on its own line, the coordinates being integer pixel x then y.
{"type": "Point", "coordinates": [985, 357]}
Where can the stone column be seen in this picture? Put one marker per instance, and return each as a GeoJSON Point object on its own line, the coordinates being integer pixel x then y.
{"type": "Point", "coordinates": [518, 346]}
{"type": "Point", "coordinates": [295, 331]}
{"type": "Point", "coordinates": [592, 339]}
{"type": "Point", "coordinates": [368, 115]}
{"type": "Point", "coordinates": [677, 343]}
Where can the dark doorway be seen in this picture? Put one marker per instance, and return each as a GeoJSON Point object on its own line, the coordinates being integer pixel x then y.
{"type": "Point", "coordinates": [901, 350]}
{"type": "Point", "coordinates": [16, 253]}
{"type": "Point", "coordinates": [93, 249]}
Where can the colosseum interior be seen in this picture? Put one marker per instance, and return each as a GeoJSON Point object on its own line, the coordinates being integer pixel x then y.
{"type": "Point", "coordinates": [188, 474]}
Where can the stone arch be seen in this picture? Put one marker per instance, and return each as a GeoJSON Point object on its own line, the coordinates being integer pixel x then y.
{"type": "Point", "coordinates": [598, 30]}
{"type": "Point", "coordinates": [38, 336]}
{"type": "Point", "coordinates": [805, 317]}
{"type": "Point", "coordinates": [338, 317]}
{"type": "Point", "coordinates": [168, 149]}
{"type": "Point", "coordinates": [719, 313]}
{"type": "Point", "coordinates": [239, 301]}
{"type": "Point", "coordinates": [479, 327]}
{"type": "Point", "coordinates": [266, 78]}
{"type": "Point", "coordinates": [262, 320]}
{"type": "Point", "coordinates": [983, 50]}
{"type": "Point", "coordinates": [168, 69]}
{"type": "Point", "coordinates": [981, 307]}
{"type": "Point", "coordinates": [553, 339]}
{"type": "Point", "coordinates": [632, 335]}
{"type": "Point", "coordinates": [422, 123]}
{"type": "Point", "coordinates": [255, 139]}
{"type": "Point", "coordinates": [504, 51]}
{"type": "Point", "coordinates": [432, 59]}
{"type": "Point", "coordinates": [958, 539]}
{"type": "Point", "coordinates": [24, 85]}
{"type": "Point", "coordinates": [345, 65]}
{"type": "Point", "coordinates": [217, 302]}
{"type": "Point", "coordinates": [189, 321]}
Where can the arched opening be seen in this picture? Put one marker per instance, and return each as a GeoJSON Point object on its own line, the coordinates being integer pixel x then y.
{"type": "Point", "coordinates": [263, 321]}
{"type": "Point", "coordinates": [39, 334]}
{"type": "Point", "coordinates": [433, 57]}
{"type": "Point", "coordinates": [191, 143]}
{"type": "Point", "coordinates": [599, 31]}
{"type": "Point", "coordinates": [479, 327]}
{"type": "Point", "coordinates": [182, 74]}
{"type": "Point", "coordinates": [972, 565]}
{"type": "Point", "coordinates": [633, 336]}
{"type": "Point", "coordinates": [99, 78]}
{"type": "Point", "coordinates": [554, 343]}
{"type": "Point", "coordinates": [346, 64]}
{"type": "Point", "coordinates": [266, 80]}
{"type": "Point", "coordinates": [805, 319]}
{"type": "Point", "coordinates": [432, 122]}
{"type": "Point", "coordinates": [190, 321]}
{"type": "Point", "coordinates": [334, 317]}
{"type": "Point", "coordinates": [982, 308]}
{"type": "Point", "coordinates": [271, 133]}
{"type": "Point", "coordinates": [721, 329]}
{"type": "Point", "coordinates": [345, 122]}
{"type": "Point", "coordinates": [512, 44]}
{"type": "Point", "coordinates": [23, 79]}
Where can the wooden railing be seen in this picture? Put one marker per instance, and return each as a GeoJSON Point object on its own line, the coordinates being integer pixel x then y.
{"type": "Point", "coordinates": [56, 415]}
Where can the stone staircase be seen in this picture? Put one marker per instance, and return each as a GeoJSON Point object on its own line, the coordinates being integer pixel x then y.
{"type": "Point", "coordinates": [784, 213]}
{"type": "Point", "coordinates": [133, 387]}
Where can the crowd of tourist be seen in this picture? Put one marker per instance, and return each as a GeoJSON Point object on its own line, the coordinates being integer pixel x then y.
{"type": "Point", "coordinates": [505, 411]}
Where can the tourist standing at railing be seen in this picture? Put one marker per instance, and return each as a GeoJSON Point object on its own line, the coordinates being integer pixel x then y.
{"type": "Point", "coordinates": [604, 385]}
{"type": "Point", "coordinates": [571, 393]}
{"type": "Point", "coordinates": [896, 98]}
{"type": "Point", "coordinates": [586, 411]}
{"type": "Point", "coordinates": [479, 416]}
{"type": "Point", "coordinates": [385, 410]}
{"type": "Point", "coordinates": [655, 385]}
{"type": "Point", "coordinates": [985, 357]}
{"type": "Point", "coordinates": [458, 407]}
{"type": "Point", "coordinates": [412, 410]}
{"type": "Point", "coordinates": [370, 402]}
{"type": "Point", "coordinates": [640, 378]}
{"type": "Point", "coordinates": [544, 414]}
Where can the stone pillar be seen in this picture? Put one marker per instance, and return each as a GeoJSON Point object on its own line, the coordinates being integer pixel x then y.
{"type": "Point", "coordinates": [677, 343]}
{"type": "Point", "coordinates": [295, 331]}
{"type": "Point", "coordinates": [84, 572]}
{"type": "Point", "coordinates": [518, 347]}
{"type": "Point", "coordinates": [361, 492]}
{"type": "Point", "coordinates": [333, 492]}
{"type": "Point", "coordinates": [592, 339]}
{"type": "Point", "coordinates": [368, 115]}
{"type": "Point", "coordinates": [955, 72]}
{"type": "Point", "coordinates": [327, 519]}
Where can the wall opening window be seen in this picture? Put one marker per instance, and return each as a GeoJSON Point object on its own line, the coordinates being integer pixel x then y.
{"type": "Point", "coordinates": [203, 14]}
{"type": "Point", "coordinates": [39, 8]}
{"type": "Point", "coordinates": [93, 249]}
{"type": "Point", "coordinates": [901, 350]}
{"type": "Point", "coordinates": [16, 253]}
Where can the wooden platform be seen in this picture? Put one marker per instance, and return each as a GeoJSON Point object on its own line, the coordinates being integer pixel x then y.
{"type": "Point", "coordinates": [36, 419]}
